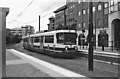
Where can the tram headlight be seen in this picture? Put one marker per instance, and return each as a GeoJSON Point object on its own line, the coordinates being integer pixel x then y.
{"type": "Point", "coordinates": [66, 47]}
{"type": "Point", "coordinates": [76, 48]}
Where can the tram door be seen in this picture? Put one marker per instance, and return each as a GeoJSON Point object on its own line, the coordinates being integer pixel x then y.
{"type": "Point", "coordinates": [41, 42]}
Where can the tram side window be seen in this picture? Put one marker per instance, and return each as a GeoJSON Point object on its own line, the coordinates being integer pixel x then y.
{"type": "Point", "coordinates": [60, 38]}
{"type": "Point", "coordinates": [41, 39]}
{"type": "Point", "coordinates": [49, 39]}
{"type": "Point", "coordinates": [36, 39]}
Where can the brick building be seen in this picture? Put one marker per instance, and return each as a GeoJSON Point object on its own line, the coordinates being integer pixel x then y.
{"type": "Point", "coordinates": [60, 18]}
{"type": "Point", "coordinates": [106, 20]}
{"type": "Point", "coordinates": [100, 18]}
{"type": "Point", "coordinates": [51, 25]}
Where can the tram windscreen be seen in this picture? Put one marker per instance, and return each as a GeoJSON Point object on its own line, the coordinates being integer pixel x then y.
{"type": "Point", "coordinates": [66, 38]}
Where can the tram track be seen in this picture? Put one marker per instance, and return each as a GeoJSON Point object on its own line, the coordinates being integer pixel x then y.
{"type": "Point", "coordinates": [78, 65]}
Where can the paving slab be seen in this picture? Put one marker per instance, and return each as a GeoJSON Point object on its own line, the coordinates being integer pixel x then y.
{"type": "Point", "coordinates": [24, 70]}
{"type": "Point", "coordinates": [17, 67]}
{"type": "Point", "coordinates": [10, 56]}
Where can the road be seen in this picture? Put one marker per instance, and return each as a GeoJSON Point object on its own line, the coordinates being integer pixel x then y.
{"type": "Point", "coordinates": [78, 65]}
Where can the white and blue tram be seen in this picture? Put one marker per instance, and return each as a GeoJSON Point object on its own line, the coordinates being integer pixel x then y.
{"type": "Point", "coordinates": [59, 43]}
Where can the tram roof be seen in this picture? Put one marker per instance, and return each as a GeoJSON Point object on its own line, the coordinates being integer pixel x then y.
{"type": "Point", "coordinates": [52, 32]}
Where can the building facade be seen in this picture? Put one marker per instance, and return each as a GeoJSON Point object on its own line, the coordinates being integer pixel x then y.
{"type": "Point", "coordinates": [100, 19]}
{"type": "Point", "coordinates": [16, 31]}
{"type": "Point", "coordinates": [28, 29]}
{"type": "Point", "coordinates": [106, 21]}
{"type": "Point", "coordinates": [60, 18]}
{"type": "Point", "coordinates": [51, 25]}
{"type": "Point", "coordinates": [65, 17]}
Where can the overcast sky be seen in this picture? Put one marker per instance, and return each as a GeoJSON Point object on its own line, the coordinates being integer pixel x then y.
{"type": "Point", "coordinates": [26, 12]}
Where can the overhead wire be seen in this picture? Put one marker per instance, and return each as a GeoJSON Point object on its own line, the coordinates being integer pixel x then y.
{"type": "Point", "coordinates": [23, 11]}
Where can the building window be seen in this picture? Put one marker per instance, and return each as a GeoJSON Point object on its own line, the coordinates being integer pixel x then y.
{"type": "Point", "coordinates": [93, 9]}
{"type": "Point", "coordinates": [79, 13]}
{"type": "Point", "coordinates": [79, 1]}
{"type": "Point", "coordinates": [111, 8]}
{"type": "Point", "coordinates": [88, 11]}
{"type": "Point", "coordinates": [79, 25]}
{"type": "Point", "coordinates": [106, 5]}
{"type": "Point", "coordinates": [115, 2]}
{"type": "Point", "coordinates": [84, 12]}
{"type": "Point", "coordinates": [99, 7]}
{"type": "Point", "coordinates": [84, 0]}
{"type": "Point", "coordinates": [111, 2]}
{"type": "Point", "coordinates": [83, 24]}
{"type": "Point", "coordinates": [99, 22]}
{"type": "Point", "coordinates": [106, 11]}
{"type": "Point", "coordinates": [119, 6]}
{"type": "Point", "coordinates": [94, 23]}
{"type": "Point", "coordinates": [116, 7]}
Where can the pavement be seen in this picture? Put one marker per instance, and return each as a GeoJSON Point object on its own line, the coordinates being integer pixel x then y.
{"type": "Point", "coordinates": [19, 64]}
{"type": "Point", "coordinates": [99, 51]}
{"type": "Point", "coordinates": [17, 67]}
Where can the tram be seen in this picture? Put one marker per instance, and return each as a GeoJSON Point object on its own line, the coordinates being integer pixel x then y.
{"type": "Point", "coordinates": [59, 43]}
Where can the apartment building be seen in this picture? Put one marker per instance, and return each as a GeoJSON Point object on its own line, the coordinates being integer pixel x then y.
{"type": "Point", "coordinates": [51, 25]}
{"type": "Point", "coordinates": [27, 29]}
{"type": "Point", "coordinates": [16, 31]}
{"type": "Point", "coordinates": [106, 20]}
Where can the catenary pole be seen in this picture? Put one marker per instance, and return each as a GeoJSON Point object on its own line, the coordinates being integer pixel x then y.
{"type": "Point", "coordinates": [90, 55]}
{"type": "Point", "coordinates": [39, 22]}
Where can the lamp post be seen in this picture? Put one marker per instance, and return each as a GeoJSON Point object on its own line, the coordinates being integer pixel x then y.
{"type": "Point", "coordinates": [90, 55]}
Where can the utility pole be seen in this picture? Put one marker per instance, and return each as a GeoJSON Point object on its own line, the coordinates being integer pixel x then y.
{"type": "Point", "coordinates": [90, 55]}
{"type": "Point", "coordinates": [39, 22]}
{"type": "Point", "coordinates": [103, 38]}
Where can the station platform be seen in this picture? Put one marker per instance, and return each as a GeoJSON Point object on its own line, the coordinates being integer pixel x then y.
{"type": "Point", "coordinates": [17, 67]}
{"type": "Point", "coordinates": [99, 51]}
{"type": "Point", "coordinates": [19, 64]}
